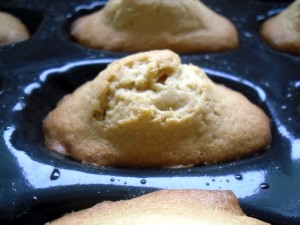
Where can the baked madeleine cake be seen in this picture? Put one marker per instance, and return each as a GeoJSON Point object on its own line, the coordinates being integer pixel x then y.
{"type": "Point", "coordinates": [12, 30]}
{"type": "Point", "coordinates": [176, 207]}
{"type": "Point", "coordinates": [150, 110]}
{"type": "Point", "coordinates": [282, 32]}
{"type": "Point", "coordinates": [139, 25]}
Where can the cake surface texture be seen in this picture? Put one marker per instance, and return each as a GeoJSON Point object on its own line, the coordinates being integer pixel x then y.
{"type": "Point", "coordinates": [150, 110]}
{"type": "Point", "coordinates": [282, 32]}
{"type": "Point", "coordinates": [140, 25]}
{"type": "Point", "coordinates": [190, 207]}
{"type": "Point", "coordinates": [12, 30]}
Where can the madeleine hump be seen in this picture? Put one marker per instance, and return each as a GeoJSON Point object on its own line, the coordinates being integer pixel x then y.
{"type": "Point", "coordinates": [150, 110]}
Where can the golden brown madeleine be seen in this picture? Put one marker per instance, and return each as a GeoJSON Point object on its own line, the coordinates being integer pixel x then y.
{"type": "Point", "coordinates": [176, 207]}
{"type": "Point", "coordinates": [149, 110]}
{"type": "Point", "coordinates": [282, 32]}
{"type": "Point", "coordinates": [12, 30]}
{"type": "Point", "coordinates": [139, 25]}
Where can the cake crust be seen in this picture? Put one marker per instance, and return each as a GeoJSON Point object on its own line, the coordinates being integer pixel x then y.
{"type": "Point", "coordinates": [191, 207]}
{"type": "Point", "coordinates": [12, 30]}
{"type": "Point", "coordinates": [282, 32]}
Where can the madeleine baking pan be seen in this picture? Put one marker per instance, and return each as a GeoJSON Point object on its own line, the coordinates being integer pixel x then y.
{"type": "Point", "coordinates": [37, 185]}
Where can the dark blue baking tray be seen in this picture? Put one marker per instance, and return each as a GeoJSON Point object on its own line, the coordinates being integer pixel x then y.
{"type": "Point", "coordinates": [37, 185]}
